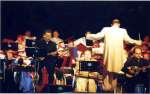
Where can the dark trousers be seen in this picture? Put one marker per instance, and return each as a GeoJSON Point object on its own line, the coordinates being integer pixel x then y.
{"type": "Point", "coordinates": [50, 63]}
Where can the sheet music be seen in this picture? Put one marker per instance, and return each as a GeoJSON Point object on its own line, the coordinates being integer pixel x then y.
{"type": "Point", "coordinates": [80, 40]}
{"type": "Point", "coordinates": [97, 50]}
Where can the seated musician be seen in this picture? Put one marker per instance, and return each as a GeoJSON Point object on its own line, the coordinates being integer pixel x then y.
{"type": "Point", "coordinates": [23, 73]}
{"type": "Point", "coordinates": [65, 57]}
{"type": "Point", "coordinates": [56, 38]}
{"type": "Point", "coordinates": [21, 45]}
{"type": "Point", "coordinates": [135, 70]}
{"type": "Point", "coordinates": [58, 75]}
{"type": "Point", "coordinates": [63, 52]}
{"type": "Point", "coordinates": [28, 35]}
{"type": "Point", "coordinates": [83, 82]}
{"type": "Point", "coordinates": [9, 84]}
{"type": "Point", "coordinates": [26, 77]}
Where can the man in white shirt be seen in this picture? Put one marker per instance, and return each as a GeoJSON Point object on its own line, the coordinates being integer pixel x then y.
{"type": "Point", "coordinates": [55, 37]}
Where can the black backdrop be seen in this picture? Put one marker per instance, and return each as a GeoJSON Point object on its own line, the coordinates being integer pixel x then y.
{"type": "Point", "coordinates": [73, 18]}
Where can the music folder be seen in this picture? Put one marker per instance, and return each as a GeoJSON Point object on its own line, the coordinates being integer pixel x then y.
{"type": "Point", "coordinates": [89, 42]}
{"type": "Point", "coordinates": [10, 46]}
{"type": "Point", "coordinates": [30, 51]}
{"type": "Point", "coordinates": [40, 52]}
{"type": "Point", "coordinates": [30, 43]}
{"type": "Point", "coordinates": [91, 66]}
{"type": "Point", "coordinates": [33, 51]}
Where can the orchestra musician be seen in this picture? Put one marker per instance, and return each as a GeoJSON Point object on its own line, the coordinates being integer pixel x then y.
{"type": "Point", "coordinates": [28, 35]}
{"type": "Point", "coordinates": [56, 51]}
{"type": "Point", "coordinates": [10, 85]}
{"type": "Point", "coordinates": [83, 83]}
{"type": "Point", "coordinates": [59, 77]}
{"type": "Point", "coordinates": [21, 45]}
{"type": "Point", "coordinates": [135, 70]}
{"type": "Point", "coordinates": [50, 60]}
{"type": "Point", "coordinates": [56, 39]}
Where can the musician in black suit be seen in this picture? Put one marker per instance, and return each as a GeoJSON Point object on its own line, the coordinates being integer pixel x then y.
{"type": "Point", "coordinates": [135, 71]}
{"type": "Point", "coordinates": [45, 43]}
{"type": "Point", "coordinates": [50, 60]}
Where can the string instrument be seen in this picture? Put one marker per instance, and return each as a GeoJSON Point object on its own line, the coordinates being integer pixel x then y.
{"type": "Point", "coordinates": [55, 53]}
{"type": "Point", "coordinates": [135, 70]}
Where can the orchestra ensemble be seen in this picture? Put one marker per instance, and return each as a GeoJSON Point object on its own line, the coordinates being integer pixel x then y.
{"type": "Point", "coordinates": [107, 62]}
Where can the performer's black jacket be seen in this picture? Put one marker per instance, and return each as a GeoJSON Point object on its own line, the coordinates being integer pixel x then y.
{"type": "Point", "coordinates": [50, 61]}
{"type": "Point", "coordinates": [132, 61]}
{"type": "Point", "coordinates": [141, 77]}
{"type": "Point", "coordinates": [46, 46]}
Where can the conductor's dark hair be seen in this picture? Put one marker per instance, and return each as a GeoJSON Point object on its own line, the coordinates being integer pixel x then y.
{"type": "Point", "coordinates": [116, 21]}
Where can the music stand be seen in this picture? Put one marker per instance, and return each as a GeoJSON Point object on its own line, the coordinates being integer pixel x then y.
{"type": "Point", "coordinates": [89, 66]}
{"type": "Point", "coordinates": [10, 46]}
{"type": "Point", "coordinates": [30, 43]}
{"type": "Point", "coordinates": [40, 52]}
{"type": "Point", "coordinates": [89, 42]}
{"type": "Point", "coordinates": [30, 52]}
{"type": "Point", "coordinates": [35, 52]}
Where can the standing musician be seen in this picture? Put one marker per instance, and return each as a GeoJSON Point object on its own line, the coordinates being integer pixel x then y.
{"type": "Point", "coordinates": [135, 70]}
{"type": "Point", "coordinates": [51, 59]}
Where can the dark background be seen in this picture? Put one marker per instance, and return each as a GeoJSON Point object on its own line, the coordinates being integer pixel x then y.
{"type": "Point", "coordinates": [73, 18]}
